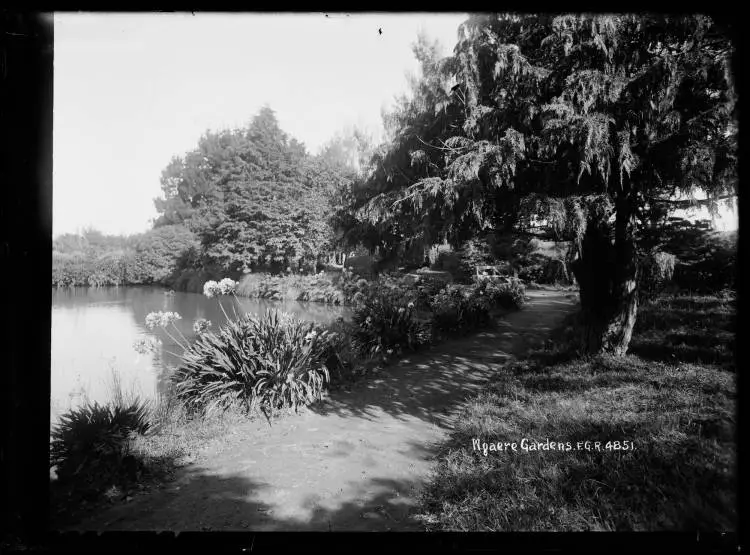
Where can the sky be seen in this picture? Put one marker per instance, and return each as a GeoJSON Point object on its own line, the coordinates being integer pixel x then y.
{"type": "Point", "coordinates": [133, 90]}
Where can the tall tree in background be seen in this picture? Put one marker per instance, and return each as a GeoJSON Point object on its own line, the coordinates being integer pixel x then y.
{"type": "Point", "coordinates": [581, 123]}
{"type": "Point", "coordinates": [254, 196]}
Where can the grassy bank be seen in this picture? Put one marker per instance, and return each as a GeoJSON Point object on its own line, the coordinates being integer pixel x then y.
{"type": "Point", "coordinates": [141, 461]}
{"type": "Point", "coordinates": [250, 366]}
{"type": "Point", "coordinates": [674, 398]}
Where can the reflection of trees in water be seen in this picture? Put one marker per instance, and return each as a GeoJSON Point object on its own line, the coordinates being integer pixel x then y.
{"type": "Point", "coordinates": [68, 297]}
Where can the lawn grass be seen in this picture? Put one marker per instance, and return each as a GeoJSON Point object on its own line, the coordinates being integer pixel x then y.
{"type": "Point", "coordinates": [675, 400]}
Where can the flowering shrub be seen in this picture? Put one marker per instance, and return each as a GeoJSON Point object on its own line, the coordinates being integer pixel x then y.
{"type": "Point", "coordinates": [271, 362]}
{"type": "Point", "coordinates": [458, 308]}
{"type": "Point", "coordinates": [386, 322]}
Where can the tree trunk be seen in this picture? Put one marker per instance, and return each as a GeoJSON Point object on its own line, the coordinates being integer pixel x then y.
{"type": "Point", "coordinates": [607, 273]}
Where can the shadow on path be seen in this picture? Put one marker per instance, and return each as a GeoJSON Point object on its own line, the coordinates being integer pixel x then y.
{"type": "Point", "coordinates": [353, 462]}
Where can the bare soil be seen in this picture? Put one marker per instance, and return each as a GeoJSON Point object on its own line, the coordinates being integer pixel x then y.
{"type": "Point", "coordinates": [355, 461]}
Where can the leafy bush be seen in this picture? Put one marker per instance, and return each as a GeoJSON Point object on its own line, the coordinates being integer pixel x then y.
{"type": "Point", "coordinates": [152, 257]}
{"type": "Point", "coordinates": [508, 295]}
{"type": "Point", "coordinates": [92, 441]}
{"type": "Point", "coordinates": [706, 259]}
{"type": "Point", "coordinates": [475, 252]}
{"type": "Point", "coordinates": [318, 288]}
{"type": "Point", "coordinates": [271, 362]}
{"type": "Point", "coordinates": [657, 269]}
{"type": "Point", "coordinates": [394, 286]}
{"type": "Point", "coordinates": [386, 323]}
{"type": "Point", "coordinates": [343, 353]}
{"type": "Point", "coordinates": [457, 309]}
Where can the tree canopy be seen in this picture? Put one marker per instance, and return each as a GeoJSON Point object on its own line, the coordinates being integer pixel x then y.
{"type": "Point", "coordinates": [553, 116]}
{"type": "Point", "coordinates": [585, 123]}
{"type": "Point", "coordinates": [254, 196]}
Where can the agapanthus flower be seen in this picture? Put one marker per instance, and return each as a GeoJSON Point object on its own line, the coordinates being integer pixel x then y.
{"type": "Point", "coordinates": [211, 288]}
{"type": "Point", "coordinates": [201, 325]}
{"type": "Point", "coordinates": [146, 345]}
{"type": "Point", "coordinates": [162, 319]}
{"type": "Point", "coordinates": [169, 317]}
{"type": "Point", "coordinates": [227, 286]}
{"type": "Point", "coordinates": [153, 319]}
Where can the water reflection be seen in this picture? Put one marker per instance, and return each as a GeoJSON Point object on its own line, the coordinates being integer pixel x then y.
{"type": "Point", "coordinates": [93, 331]}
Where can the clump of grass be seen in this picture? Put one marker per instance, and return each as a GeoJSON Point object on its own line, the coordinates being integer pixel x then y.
{"type": "Point", "coordinates": [270, 362]}
{"type": "Point", "coordinates": [679, 416]}
{"type": "Point", "coordinates": [92, 441]}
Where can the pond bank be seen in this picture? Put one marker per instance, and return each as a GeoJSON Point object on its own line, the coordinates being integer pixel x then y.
{"type": "Point", "coordinates": [353, 462]}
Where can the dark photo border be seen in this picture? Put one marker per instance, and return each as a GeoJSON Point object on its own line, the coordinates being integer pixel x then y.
{"type": "Point", "coordinates": [26, 108]}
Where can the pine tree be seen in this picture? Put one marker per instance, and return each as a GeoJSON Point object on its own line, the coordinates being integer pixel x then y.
{"type": "Point", "coordinates": [585, 123]}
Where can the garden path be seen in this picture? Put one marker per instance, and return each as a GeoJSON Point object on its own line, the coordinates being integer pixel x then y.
{"type": "Point", "coordinates": [353, 462]}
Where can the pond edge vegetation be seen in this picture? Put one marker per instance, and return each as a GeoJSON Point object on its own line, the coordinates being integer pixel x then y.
{"type": "Point", "coordinates": [254, 366]}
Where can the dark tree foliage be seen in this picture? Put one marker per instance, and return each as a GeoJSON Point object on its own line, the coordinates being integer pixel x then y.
{"type": "Point", "coordinates": [584, 124]}
{"type": "Point", "coordinates": [254, 197]}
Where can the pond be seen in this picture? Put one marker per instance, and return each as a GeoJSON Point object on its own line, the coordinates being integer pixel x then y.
{"type": "Point", "coordinates": [93, 331]}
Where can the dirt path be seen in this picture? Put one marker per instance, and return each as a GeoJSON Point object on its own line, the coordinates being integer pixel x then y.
{"type": "Point", "coordinates": [354, 462]}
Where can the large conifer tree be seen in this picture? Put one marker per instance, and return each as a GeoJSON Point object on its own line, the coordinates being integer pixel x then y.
{"type": "Point", "coordinates": [582, 122]}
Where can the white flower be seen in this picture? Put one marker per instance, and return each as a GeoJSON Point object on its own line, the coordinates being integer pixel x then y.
{"type": "Point", "coordinates": [146, 345]}
{"type": "Point", "coordinates": [227, 286]}
{"type": "Point", "coordinates": [201, 325]}
{"type": "Point", "coordinates": [410, 305]}
{"type": "Point", "coordinates": [389, 351]}
{"type": "Point", "coordinates": [210, 288]}
{"type": "Point", "coordinates": [153, 319]}
{"type": "Point", "coordinates": [169, 317]}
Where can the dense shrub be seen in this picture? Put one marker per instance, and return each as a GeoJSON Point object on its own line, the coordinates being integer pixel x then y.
{"type": "Point", "coordinates": [473, 253]}
{"type": "Point", "coordinates": [320, 287]}
{"type": "Point", "coordinates": [460, 309]}
{"type": "Point", "coordinates": [152, 257]}
{"type": "Point", "coordinates": [357, 290]}
{"type": "Point", "coordinates": [510, 294]}
{"type": "Point", "coordinates": [274, 361]}
{"type": "Point", "coordinates": [537, 261]}
{"type": "Point", "coordinates": [706, 259]}
{"type": "Point", "coordinates": [448, 261]}
{"type": "Point", "coordinates": [710, 265]}
{"type": "Point", "coordinates": [657, 269]}
{"type": "Point", "coordinates": [343, 354]}
{"type": "Point", "coordinates": [386, 323]}
{"type": "Point", "coordinates": [91, 443]}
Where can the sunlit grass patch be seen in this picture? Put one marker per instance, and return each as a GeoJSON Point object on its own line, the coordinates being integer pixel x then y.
{"type": "Point", "coordinates": [680, 417]}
